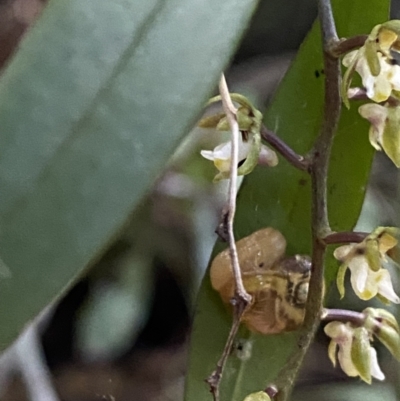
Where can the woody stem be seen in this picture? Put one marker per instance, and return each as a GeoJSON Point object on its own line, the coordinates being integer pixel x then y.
{"type": "Point", "coordinates": [320, 227]}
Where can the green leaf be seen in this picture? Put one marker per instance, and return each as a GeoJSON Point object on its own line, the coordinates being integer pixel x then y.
{"type": "Point", "coordinates": [91, 108]}
{"type": "Point", "coordinates": [280, 197]}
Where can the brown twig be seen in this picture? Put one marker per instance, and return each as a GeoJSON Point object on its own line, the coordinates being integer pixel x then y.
{"type": "Point", "coordinates": [361, 94]}
{"type": "Point", "coordinates": [342, 315]}
{"type": "Point", "coordinates": [344, 237]}
{"type": "Point", "coordinates": [320, 223]}
{"type": "Point", "coordinates": [241, 298]}
{"type": "Point", "coordinates": [343, 46]}
{"type": "Point", "coordinates": [284, 149]}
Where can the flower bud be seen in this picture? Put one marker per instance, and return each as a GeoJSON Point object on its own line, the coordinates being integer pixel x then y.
{"type": "Point", "coordinates": [259, 396]}
{"type": "Point", "coordinates": [384, 326]}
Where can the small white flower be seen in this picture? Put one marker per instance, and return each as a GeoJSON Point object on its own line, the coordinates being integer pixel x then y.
{"type": "Point", "coordinates": [365, 282]}
{"type": "Point", "coordinates": [376, 115]}
{"type": "Point", "coordinates": [379, 87]}
{"type": "Point", "coordinates": [375, 63]}
{"type": "Point", "coordinates": [368, 277]}
{"type": "Point", "coordinates": [221, 155]}
{"type": "Point", "coordinates": [251, 150]}
{"type": "Point", "coordinates": [342, 335]}
{"type": "Point", "coordinates": [385, 129]}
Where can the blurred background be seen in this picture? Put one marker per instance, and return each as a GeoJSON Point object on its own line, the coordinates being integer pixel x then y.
{"type": "Point", "coordinates": [122, 331]}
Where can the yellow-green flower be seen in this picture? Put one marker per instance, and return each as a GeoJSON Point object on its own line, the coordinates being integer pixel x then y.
{"type": "Point", "coordinates": [375, 63]}
{"type": "Point", "coordinates": [384, 132]}
{"type": "Point", "coordinates": [250, 151]}
{"type": "Point", "coordinates": [354, 352]}
{"type": "Point", "coordinates": [368, 277]}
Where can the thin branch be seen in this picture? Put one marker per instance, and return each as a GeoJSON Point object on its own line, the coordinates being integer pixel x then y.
{"type": "Point", "coordinates": [342, 315]}
{"type": "Point", "coordinates": [344, 46]}
{"type": "Point", "coordinates": [361, 94]}
{"type": "Point", "coordinates": [230, 112]}
{"type": "Point", "coordinates": [345, 237]}
{"type": "Point", "coordinates": [283, 148]}
{"type": "Point", "coordinates": [241, 298]}
{"type": "Point", "coordinates": [328, 27]}
{"type": "Point", "coordinates": [320, 224]}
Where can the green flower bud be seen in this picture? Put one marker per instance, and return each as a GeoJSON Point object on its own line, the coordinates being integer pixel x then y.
{"type": "Point", "coordinates": [259, 396]}
{"type": "Point", "coordinates": [211, 121]}
{"type": "Point", "coordinates": [390, 339]}
{"type": "Point", "coordinates": [384, 326]}
{"type": "Point", "coordinates": [383, 316]}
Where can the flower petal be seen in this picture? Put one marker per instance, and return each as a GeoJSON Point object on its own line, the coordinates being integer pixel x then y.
{"type": "Point", "coordinates": [223, 151]}
{"type": "Point", "coordinates": [349, 58]}
{"type": "Point", "coordinates": [360, 353]}
{"type": "Point", "coordinates": [386, 242]}
{"type": "Point", "coordinates": [344, 356]}
{"type": "Point", "coordinates": [375, 369]}
{"type": "Point", "coordinates": [332, 352]}
{"type": "Point", "coordinates": [207, 154]}
{"type": "Point", "coordinates": [359, 274]}
{"type": "Point", "coordinates": [385, 286]}
{"type": "Point", "coordinates": [390, 140]}
{"type": "Point", "coordinates": [244, 149]}
{"type": "Point", "coordinates": [268, 156]}
{"type": "Point", "coordinates": [342, 335]}
{"type": "Point", "coordinates": [340, 279]}
{"type": "Point", "coordinates": [221, 155]}
{"type": "Point", "coordinates": [343, 252]}
{"type": "Point", "coordinates": [376, 115]}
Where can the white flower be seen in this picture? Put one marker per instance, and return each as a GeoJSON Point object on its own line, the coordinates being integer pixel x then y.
{"type": "Point", "coordinates": [249, 153]}
{"type": "Point", "coordinates": [375, 62]}
{"type": "Point", "coordinates": [368, 278]}
{"type": "Point", "coordinates": [385, 129]}
{"type": "Point", "coordinates": [351, 360]}
{"type": "Point", "coordinates": [365, 282]}
{"type": "Point", "coordinates": [221, 155]}
{"type": "Point", "coordinates": [379, 87]}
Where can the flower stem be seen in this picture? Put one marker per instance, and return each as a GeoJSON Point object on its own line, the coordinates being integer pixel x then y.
{"type": "Point", "coordinates": [342, 315]}
{"type": "Point", "coordinates": [284, 149]}
{"type": "Point", "coordinates": [361, 94]}
{"type": "Point", "coordinates": [241, 298]}
{"type": "Point", "coordinates": [344, 46]}
{"type": "Point", "coordinates": [344, 237]}
{"type": "Point", "coordinates": [319, 212]}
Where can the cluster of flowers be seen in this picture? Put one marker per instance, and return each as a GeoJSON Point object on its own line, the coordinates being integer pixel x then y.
{"type": "Point", "coordinates": [377, 62]}
{"type": "Point", "coordinates": [369, 278]}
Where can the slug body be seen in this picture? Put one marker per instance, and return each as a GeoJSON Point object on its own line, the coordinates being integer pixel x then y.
{"type": "Point", "coordinates": [277, 284]}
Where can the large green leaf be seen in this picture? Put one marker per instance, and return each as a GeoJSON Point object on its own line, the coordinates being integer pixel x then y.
{"type": "Point", "coordinates": [91, 108]}
{"type": "Point", "coordinates": [280, 197]}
